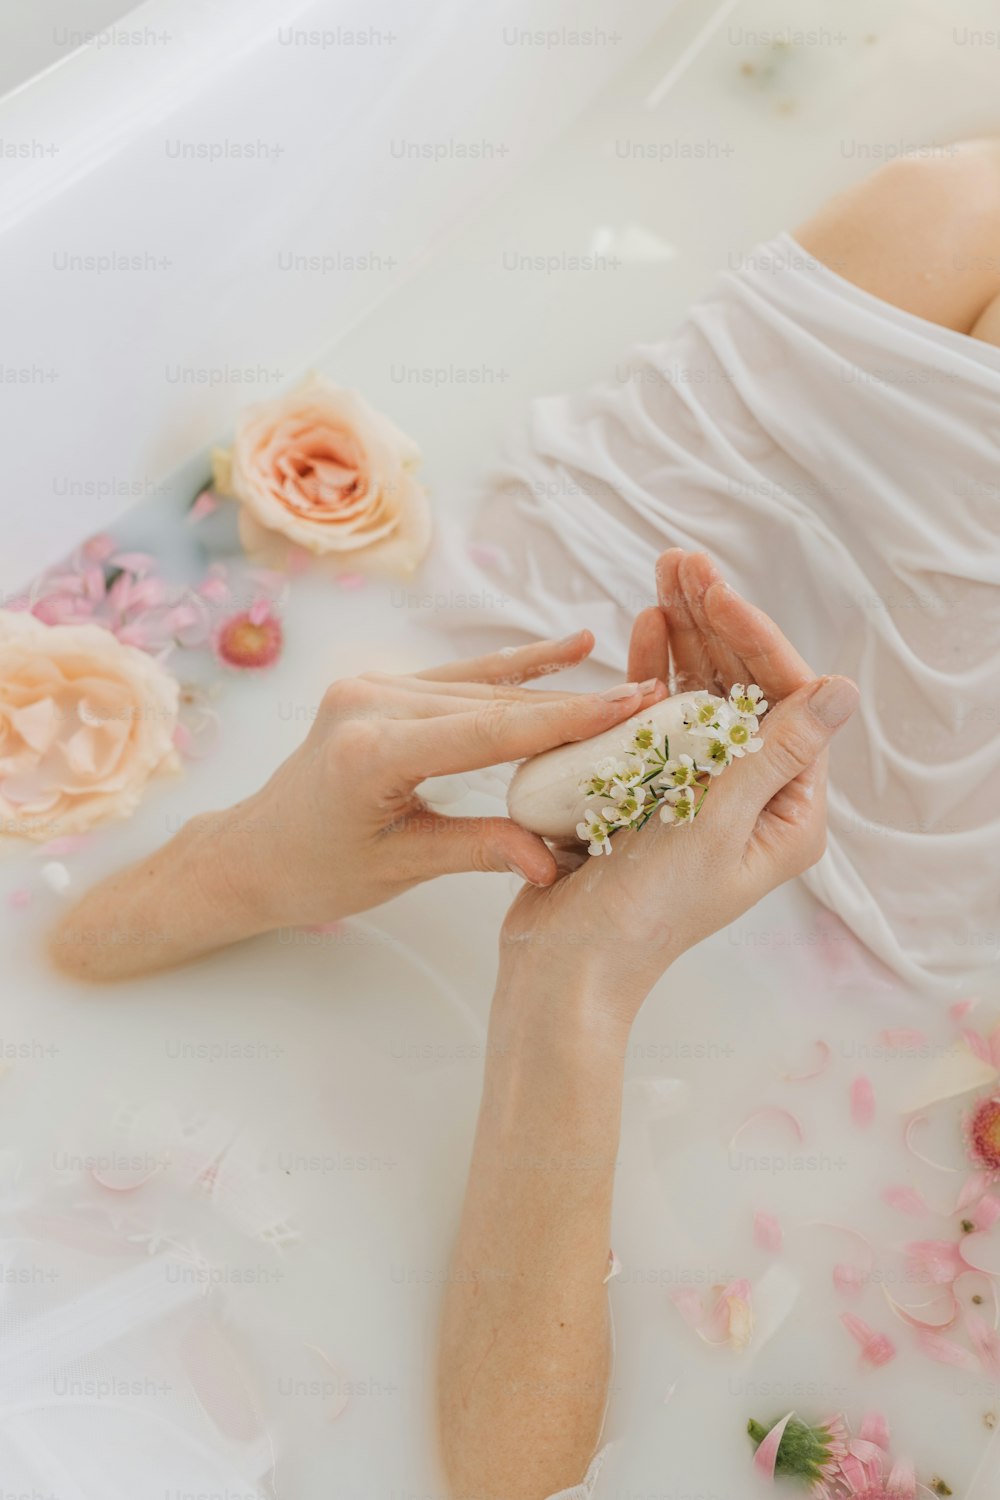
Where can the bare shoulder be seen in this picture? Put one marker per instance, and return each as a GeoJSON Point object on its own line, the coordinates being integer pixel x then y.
{"type": "Point", "coordinates": [922, 233]}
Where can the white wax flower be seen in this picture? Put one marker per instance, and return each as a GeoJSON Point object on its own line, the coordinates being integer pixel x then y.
{"type": "Point", "coordinates": [661, 760]}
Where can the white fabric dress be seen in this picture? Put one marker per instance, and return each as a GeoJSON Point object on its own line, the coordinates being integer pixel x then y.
{"type": "Point", "coordinates": [840, 459]}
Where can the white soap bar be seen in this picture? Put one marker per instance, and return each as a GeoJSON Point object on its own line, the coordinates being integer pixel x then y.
{"type": "Point", "coordinates": [544, 795]}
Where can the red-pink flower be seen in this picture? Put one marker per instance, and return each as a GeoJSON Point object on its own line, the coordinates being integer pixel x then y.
{"type": "Point", "coordinates": [251, 639]}
{"type": "Point", "coordinates": [982, 1135]}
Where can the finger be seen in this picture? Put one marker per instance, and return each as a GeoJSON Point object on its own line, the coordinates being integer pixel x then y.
{"type": "Point", "coordinates": [498, 732]}
{"type": "Point", "coordinates": [697, 574]}
{"type": "Point", "coordinates": [467, 690]}
{"type": "Point", "coordinates": [795, 735]}
{"type": "Point", "coordinates": [649, 648]}
{"type": "Point", "coordinates": [396, 702]}
{"type": "Point", "coordinates": [790, 834]}
{"type": "Point", "coordinates": [434, 845]}
{"type": "Point", "coordinates": [769, 659]}
{"type": "Point", "coordinates": [692, 666]}
{"type": "Point", "coordinates": [514, 665]}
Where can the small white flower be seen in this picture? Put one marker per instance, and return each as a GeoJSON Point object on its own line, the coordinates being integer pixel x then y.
{"type": "Point", "coordinates": [647, 740]}
{"type": "Point", "coordinates": [749, 702]}
{"type": "Point", "coordinates": [718, 756]}
{"type": "Point", "coordinates": [738, 735]}
{"type": "Point", "coordinates": [594, 832]}
{"type": "Point", "coordinates": [679, 806]}
{"type": "Point", "coordinates": [704, 712]}
{"type": "Point", "coordinates": [680, 772]}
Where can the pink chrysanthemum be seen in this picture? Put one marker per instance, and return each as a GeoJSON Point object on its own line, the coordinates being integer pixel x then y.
{"type": "Point", "coordinates": [982, 1135]}
{"type": "Point", "coordinates": [250, 640]}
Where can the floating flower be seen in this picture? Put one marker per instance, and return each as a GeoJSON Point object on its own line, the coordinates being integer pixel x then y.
{"type": "Point", "coordinates": [319, 469]}
{"type": "Point", "coordinates": [797, 1450]}
{"type": "Point", "coordinates": [85, 722]}
{"type": "Point", "coordinates": [250, 640]}
{"type": "Point", "coordinates": [982, 1135]}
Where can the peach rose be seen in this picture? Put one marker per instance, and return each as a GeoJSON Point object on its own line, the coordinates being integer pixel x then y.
{"type": "Point", "coordinates": [84, 723]}
{"type": "Point", "coordinates": [318, 468]}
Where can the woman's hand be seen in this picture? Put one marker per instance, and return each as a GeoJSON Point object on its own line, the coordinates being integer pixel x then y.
{"type": "Point", "coordinates": [340, 827]}
{"type": "Point", "coordinates": [615, 923]}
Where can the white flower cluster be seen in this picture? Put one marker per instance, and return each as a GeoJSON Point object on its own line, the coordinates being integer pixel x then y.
{"type": "Point", "coordinates": [644, 779]}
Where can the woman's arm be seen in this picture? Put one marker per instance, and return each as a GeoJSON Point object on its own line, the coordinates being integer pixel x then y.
{"type": "Point", "coordinates": [524, 1355]}
{"type": "Point", "coordinates": [339, 828]}
{"type": "Point", "coordinates": [525, 1345]}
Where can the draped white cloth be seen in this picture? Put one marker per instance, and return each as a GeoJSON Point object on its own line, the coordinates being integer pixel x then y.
{"type": "Point", "coordinates": [838, 457]}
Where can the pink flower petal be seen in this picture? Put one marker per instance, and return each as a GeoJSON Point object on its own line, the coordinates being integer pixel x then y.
{"type": "Point", "coordinates": [946, 1351]}
{"type": "Point", "coordinates": [876, 1348]}
{"type": "Point", "coordinates": [902, 1481]}
{"type": "Point", "coordinates": [767, 1232]}
{"type": "Point", "coordinates": [352, 580]}
{"type": "Point", "coordinates": [204, 505]}
{"type": "Point", "coordinates": [766, 1456]}
{"type": "Point", "coordinates": [906, 1200]}
{"type": "Point", "coordinates": [985, 1213]}
{"type": "Point", "coordinates": [935, 1262]}
{"type": "Point", "coordinates": [980, 1251]}
{"type": "Point", "coordinates": [850, 1280]}
{"type": "Point", "coordinates": [977, 1045]}
{"type": "Point", "coordinates": [986, 1343]}
{"type": "Point", "coordinates": [973, 1188]}
{"type": "Point", "coordinates": [19, 900]}
{"type": "Point", "coordinates": [98, 548]}
{"type": "Point", "coordinates": [875, 1429]}
{"type": "Point", "coordinates": [903, 1040]}
{"type": "Point", "coordinates": [862, 1102]}
{"type": "Point", "coordinates": [69, 843]}
{"type": "Point", "coordinates": [946, 1307]}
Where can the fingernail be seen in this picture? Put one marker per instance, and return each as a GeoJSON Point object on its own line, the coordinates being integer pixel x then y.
{"type": "Point", "coordinates": [623, 690]}
{"type": "Point", "coordinates": [649, 685]}
{"type": "Point", "coordinates": [834, 700]}
{"type": "Point", "coordinates": [516, 870]}
{"type": "Point", "coordinates": [567, 640]}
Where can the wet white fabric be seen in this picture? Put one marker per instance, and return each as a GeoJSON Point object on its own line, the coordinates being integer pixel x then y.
{"type": "Point", "coordinates": [838, 457]}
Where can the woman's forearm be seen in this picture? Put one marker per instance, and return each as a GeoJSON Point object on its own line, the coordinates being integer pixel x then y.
{"type": "Point", "coordinates": [525, 1350]}
{"type": "Point", "coordinates": [195, 894]}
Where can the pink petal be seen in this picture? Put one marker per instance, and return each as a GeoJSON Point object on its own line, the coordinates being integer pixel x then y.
{"type": "Point", "coordinates": [820, 1064]}
{"type": "Point", "coordinates": [766, 1456]}
{"type": "Point", "coordinates": [98, 548]}
{"type": "Point", "coordinates": [977, 1045]}
{"type": "Point", "coordinates": [205, 504]}
{"type": "Point", "coordinates": [946, 1351]}
{"type": "Point", "coordinates": [979, 1251]}
{"type": "Point", "coordinates": [961, 1008]}
{"type": "Point", "coordinates": [875, 1429]}
{"type": "Point", "coordinates": [20, 899]}
{"type": "Point", "coordinates": [69, 843]}
{"type": "Point", "coordinates": [850, 1279]}
{"type": "Point", "coordinates": [767, 1232]}
{"type": "Point", "coordinates": [986, 1343]}
{"type": "Point", "coordinates": [688, 1303]}
{"type": "Point", "coordinates": [214, 590]}
{"type": "Point", "coordinates": [985, 1213]}
{"type": "Point", "coordinates": [905, 1200]}
{"type": "Point", "coordinates": [948, 1310]}
{"type": "Point", "coordinates": [769, 1112]}
{"type": "Point", "coordinates": [935, 1262]}
{"type": "Point", "coordinates": [352, 580]}
{"type": "Point", "coordinates": [862, 1101]}
{"type": "Point", "coordinates": [902, 1481]}
{"type": "Point", "coordinates": [876, 1348]}
{"type": "Point", "coordinates": [903, 1040]}
{"type": "Point", "coordinates": [973, 1188]}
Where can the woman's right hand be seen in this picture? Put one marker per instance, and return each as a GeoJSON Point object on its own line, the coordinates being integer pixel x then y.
{"type": "Point", "coordinates": [612, 925]}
